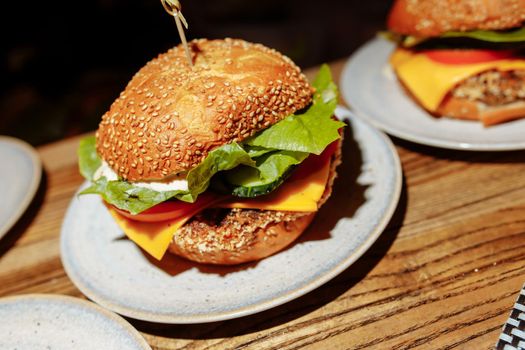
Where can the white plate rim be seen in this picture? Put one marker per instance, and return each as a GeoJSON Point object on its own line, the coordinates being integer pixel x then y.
{"type": "Point", "coordinates": [33, 186]}
{"type": "Point", "coordinates": [277, 301]}
{"type": "Point", "coordinates": [423, 140]}
{"type": "Point", "coordinates": [66, 299]}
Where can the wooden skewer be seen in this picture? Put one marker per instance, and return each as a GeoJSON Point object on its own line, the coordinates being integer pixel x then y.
{"type": "Point", "coordinates": [173, 7]}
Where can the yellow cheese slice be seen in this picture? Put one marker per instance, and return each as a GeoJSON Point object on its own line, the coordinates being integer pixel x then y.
{"type": "Point", "coordinates": [153, 237]}
{"type": "Point", "coordinates": [430, 81]}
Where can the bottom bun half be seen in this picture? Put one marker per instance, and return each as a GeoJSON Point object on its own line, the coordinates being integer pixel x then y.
{"type": "Point", "coordinates": [235, 236]}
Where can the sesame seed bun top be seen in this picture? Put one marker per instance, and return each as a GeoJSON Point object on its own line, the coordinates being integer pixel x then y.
{"type": "Point", "coordinates": [428, 18]}
{"type": "Point", "coordinates": [170, 115]}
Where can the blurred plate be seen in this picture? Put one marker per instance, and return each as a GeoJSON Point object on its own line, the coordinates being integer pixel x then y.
{"type": "Point", "coordinates": [19, 180]}
{"type": "Point", "coordinates": [43, 321]}
{"type": "Point", "coordinates": [371, 88]}
{"type": "Point", "coordinates": [115, 273]}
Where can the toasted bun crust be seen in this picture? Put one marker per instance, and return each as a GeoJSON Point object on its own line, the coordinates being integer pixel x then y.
{"type": "Point", "coordinates": [234, 236]}
{"type": "Point", "coordinates": [170, 115]}
{"type": "Point", "coordinates": [428, 18]}
{"type": "Point", "coordinates": [489, 115]}
{"type": "Point", "coordinates": [242, 235]}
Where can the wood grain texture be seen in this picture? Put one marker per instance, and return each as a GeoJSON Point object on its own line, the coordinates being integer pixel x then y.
{"type": "Point", "coordinates": [443, 275]}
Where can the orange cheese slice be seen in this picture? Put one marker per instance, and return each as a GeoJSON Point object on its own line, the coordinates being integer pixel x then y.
{"type": "Point", "coordinates": [153, 237]}
{"type": "Point", "coordinates": [430, 81]}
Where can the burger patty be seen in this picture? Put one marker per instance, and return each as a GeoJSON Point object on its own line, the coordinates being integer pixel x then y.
{"type": "Point", "coordinates": [493, 87]}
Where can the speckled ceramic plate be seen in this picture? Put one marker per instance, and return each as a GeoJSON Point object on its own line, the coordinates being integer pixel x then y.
{"type": "Point", "coordinates": [113, 272]}
{"type": "Point", "coordinates": [19, 179]}
{"type": "Point", "coordinates": [44, 321]}
{"type": "Point", "coordinates": [371, 88]}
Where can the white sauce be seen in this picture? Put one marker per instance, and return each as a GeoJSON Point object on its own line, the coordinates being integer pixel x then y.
{"type": "Point", "coordinates": [176, 184]}
{"type": "Point", "coordinates": [105, 171]}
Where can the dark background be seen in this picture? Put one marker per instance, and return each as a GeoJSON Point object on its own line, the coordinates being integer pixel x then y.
{"type": "Point", "coordinates": [63, 63]}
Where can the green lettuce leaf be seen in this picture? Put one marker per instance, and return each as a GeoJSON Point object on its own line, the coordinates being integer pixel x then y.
{"type": "Point", "coordinates": [88, 159]}
{"type": "Point", "coordinates": [270, 171]}
{"type": "Point", "coordinates": [223, 158]}
{"type": "Point", "coordinates": [255, 151]}
{"type": "Point", "coordinates": [511, 36]}
{"type": "Point", "coordinates": [310, 131]}
{"type": "Point", "coordinates": [490, 36]}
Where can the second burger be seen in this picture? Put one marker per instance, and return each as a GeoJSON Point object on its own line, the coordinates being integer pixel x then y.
{"type": "Point", "coordinates": [462, 59]}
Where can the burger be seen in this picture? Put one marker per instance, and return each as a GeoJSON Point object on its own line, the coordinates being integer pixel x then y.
{"type": "Point", "coordinates": [223, 161]}
{"type": "Point", "coordinates": [462, 58]}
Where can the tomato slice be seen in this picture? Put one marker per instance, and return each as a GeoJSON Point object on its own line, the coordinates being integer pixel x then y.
{"type": "Point", "coordinates": [172, 209]}
{"type": "Point", "coordinates": [459, 56]}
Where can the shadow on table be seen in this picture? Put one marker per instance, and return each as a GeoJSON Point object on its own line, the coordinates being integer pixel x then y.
{"type": "Point", "coordinates": [327, 218]}
{"type": "Point", "coordinates": [347, 196]}
{"type": "Point", "coordinates": [26, 219]}
{"type": "Point", "coordinates": [495, 157]}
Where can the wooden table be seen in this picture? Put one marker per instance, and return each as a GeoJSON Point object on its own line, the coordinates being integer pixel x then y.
{"type": "Point", "coordinates": [444, 274]}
